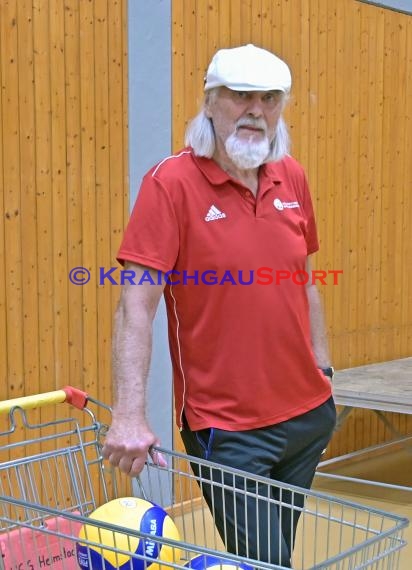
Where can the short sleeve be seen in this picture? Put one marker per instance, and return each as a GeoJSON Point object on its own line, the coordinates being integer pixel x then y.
{"type": "Point", "coordinates": [151, 237]}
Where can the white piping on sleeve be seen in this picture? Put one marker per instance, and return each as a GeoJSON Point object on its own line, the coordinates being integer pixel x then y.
{"type": "Point", "coordinates": [180, 358]}
{"type": "Point", "coordinates": [169, 157]}
{"type": "Point", "coordinates": [174, 299]}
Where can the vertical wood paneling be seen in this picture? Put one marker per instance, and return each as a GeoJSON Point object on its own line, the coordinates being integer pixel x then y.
{"type": "Point", "coordinates": [312, 163]}
{"type": "Point", "coordinates": [178, 90]}
{"type": "Point", "coordinates": [73, 182]}
{"type": "Point", "coordinates": [234, 16]}
{"type": "Point", "coordinates": [189, 18]}
{"type": "Point", "coordinates": [406, 252]}
{"type": "Point", "coordinates": [304, 78]}
{"type": "Point", "coordinates": [28, 196]}
{"type": "Point", "coordinates": [334, 227]}
{"type": "Point", "coordinates": [246, 20]}
{"type": "Point", "coordinates": [370, 181]}
{"type": "Point", "coordinates": [386, 253]}
{"type": "Point", "coordinates": [212, 19]}
{"type": "Point", "coordinates": [266, 16]}
{"type": "Point", "coordinates": [350, 93]}
{"type": "Point", "coordinates": [12, 199]}
{"type": "Point", "coordinates": [331, 193]}
{"type": "Point", "coordinates": [321, 119]}
{"type": "Point", "coordinates": [44, 192]}
{"type": "Point", "coordinates": [3, 299]}
{"type": "Point", "coordinates": [200, 14]}
{"type": "Point", "coordinates": [224, 31]}
{"type": "Point", "coordinates": [350, 120]}
{"type": "Point", "coordinates": [398, 42]}
{"type": "Point", "coordinates": [102, 146]}
{"type": "Point", "coordinates": [64, 190]}
{"type": "Point", "coordinates": [59, 196]}
{"type": "Point", "coordinates": [88, 162]}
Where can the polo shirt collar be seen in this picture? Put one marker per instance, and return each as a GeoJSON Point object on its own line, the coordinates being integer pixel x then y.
{"type": "Point", "coordinates": [268, 174]}
{"type": "Point", "coordinates": [212, 171]}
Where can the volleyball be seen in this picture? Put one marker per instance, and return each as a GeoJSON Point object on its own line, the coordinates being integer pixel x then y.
{"type": "Point", "coordinates": [206, 562]}
{"type": "Point", "coordinates": [134, 514]}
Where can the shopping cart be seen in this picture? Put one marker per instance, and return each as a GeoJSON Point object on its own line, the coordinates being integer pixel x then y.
{"type": "Point", "coordinates": [52, 477]}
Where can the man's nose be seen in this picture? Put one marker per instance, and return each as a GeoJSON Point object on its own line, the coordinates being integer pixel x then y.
{"type": "Point", "coordinates": [255, 108]}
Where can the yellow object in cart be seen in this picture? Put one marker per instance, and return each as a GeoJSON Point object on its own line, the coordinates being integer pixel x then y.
{"type": "Point", "coordinates": [128, 513]}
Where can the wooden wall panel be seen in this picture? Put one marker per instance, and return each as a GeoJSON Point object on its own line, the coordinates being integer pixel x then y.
{"type": "Point", "coordinates": [64, 190]}
{"type": "Point", "coordinates": [350, 121]}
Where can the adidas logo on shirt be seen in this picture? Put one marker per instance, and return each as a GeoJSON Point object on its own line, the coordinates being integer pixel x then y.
{"type": "Point", "coordinates": [214, 214]}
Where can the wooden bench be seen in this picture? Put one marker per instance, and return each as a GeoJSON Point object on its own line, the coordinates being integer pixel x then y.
{"type": "Point", "coordinates": [386, 386]}
{"type": "Point", "coordinates": [381, 387]}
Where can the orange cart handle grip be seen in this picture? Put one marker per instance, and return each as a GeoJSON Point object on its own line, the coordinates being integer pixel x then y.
{"type": "Point", "coordinates": [68, 394]}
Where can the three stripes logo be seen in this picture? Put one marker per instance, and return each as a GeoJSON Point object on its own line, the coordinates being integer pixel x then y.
{"type": "Point", "coordinates": [214, 214]}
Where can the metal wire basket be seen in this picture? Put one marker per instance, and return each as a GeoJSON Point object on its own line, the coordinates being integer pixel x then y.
{"type": "Point", "coordinates": [52, 477]}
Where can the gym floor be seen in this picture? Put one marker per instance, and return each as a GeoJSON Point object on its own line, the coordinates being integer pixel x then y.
{"type": "Point", "coordinates": [394, 468]}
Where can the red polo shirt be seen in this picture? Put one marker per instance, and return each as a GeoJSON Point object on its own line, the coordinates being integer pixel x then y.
{"type": "Point", "coordinates": [240, 344]}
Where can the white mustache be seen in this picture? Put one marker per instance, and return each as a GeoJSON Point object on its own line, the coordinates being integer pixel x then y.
{"type": "Point", "coordinates": [255, 123]}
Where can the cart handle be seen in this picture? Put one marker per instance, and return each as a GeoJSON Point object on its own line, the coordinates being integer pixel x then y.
{"type": "Point", "coordinates": [68, 394]}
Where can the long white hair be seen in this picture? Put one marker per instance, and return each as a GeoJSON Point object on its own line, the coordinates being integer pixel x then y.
{"type": "Point", "coordinates": [200, 136]}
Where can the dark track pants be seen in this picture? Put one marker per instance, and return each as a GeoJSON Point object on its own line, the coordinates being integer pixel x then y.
{"type": "Point", "coordinates": [288, 452]}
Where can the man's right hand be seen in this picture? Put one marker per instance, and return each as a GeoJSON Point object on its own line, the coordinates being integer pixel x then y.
{"type": "Point", "coordinates": [128, 444]}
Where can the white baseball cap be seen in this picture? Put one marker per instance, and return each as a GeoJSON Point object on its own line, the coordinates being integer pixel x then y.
{"type": "Point", "coordinates": [248, 68]}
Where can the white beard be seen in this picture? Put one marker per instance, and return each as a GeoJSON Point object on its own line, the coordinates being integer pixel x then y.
{"type": "Point", "coordinates": [246, 154]}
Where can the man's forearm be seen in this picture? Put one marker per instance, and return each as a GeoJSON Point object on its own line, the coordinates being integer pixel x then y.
{"type": "Point", "coordinates": [318, 328]}
{"type": "Point", "coordinates": [132, 348]}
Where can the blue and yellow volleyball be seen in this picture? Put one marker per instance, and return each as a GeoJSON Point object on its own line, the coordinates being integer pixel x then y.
{"type": "Point", "coordinates": [208, 562]}
{"type": "Point", "coordinates": [127, 513]}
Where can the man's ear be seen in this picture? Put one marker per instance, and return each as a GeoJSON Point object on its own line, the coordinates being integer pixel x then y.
{"type": "Point", "coordinates": [207, 104]}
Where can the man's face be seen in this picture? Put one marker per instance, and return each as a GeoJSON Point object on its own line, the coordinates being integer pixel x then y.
{"type": "Point", "coordinates": [244, 123]}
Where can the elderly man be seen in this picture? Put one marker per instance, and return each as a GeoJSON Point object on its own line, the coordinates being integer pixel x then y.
{"type": "Point", "coordinates": [251, 368]}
